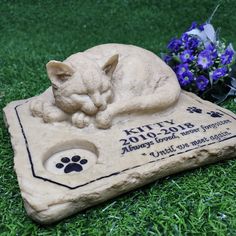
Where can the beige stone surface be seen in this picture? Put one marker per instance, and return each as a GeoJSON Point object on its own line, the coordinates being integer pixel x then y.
{"type": "Point", "coordinates": [68, 162]}
{"type": "Point", "coordinates": [93, 87]}
{"type": "Point", "coordinates": [130, 154]}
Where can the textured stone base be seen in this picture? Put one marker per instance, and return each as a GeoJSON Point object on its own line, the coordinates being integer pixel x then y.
{"type": "Point", "coordinates": [62, 169]}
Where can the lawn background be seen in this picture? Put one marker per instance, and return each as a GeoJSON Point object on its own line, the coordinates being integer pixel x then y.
{"type": "Point", "coordinates": [198, 202]}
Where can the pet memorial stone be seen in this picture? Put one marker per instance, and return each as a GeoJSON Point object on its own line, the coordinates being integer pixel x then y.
{"type": "Point", "coordinates": [113, 120]}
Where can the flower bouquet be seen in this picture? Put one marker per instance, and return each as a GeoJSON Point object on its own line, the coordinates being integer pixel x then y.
{"type": "Point", "coordinates": [203, 63]}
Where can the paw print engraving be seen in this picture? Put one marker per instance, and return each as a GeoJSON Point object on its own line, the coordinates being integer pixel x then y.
{"type": "Point", "coordinates": [194, 110]}
{"type": "Point", "coordinates": [215, 114]}
{"type": "Point", "coordinates": [71, 164]}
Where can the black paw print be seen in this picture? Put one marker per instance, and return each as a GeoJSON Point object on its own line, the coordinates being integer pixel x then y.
{"type": "Point", "coordinates": [73, 164]}
{"type": "Point", "coordinates": [215, 114]}
{"type": "Point", "coordinates": [194, 110]}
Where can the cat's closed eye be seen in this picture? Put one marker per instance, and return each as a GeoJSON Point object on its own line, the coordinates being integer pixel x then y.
{"type": "Point", "coordinates": [55, 86]}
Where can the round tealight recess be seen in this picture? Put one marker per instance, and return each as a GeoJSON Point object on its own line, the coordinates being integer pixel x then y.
{"type": "Point", "coordinates": [70, 161]}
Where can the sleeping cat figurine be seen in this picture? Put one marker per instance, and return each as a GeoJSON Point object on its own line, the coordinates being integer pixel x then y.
{"type": "Point", "coordinates": [104, 82]}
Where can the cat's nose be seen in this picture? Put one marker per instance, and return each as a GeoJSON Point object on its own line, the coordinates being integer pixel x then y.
{"type": "Point", "coordinates": [98, 104]}
{"type": "Point", "coordinates": [97, 100]}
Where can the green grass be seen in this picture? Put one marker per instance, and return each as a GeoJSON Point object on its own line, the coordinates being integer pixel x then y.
{"type": "Point", "coordinates": [199, 202]}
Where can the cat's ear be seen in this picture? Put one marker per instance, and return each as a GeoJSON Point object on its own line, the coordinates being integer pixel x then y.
{"type": "Point", "coordinates": [110, 65]}
{"type": "Point", "coordinates": [58, 72]}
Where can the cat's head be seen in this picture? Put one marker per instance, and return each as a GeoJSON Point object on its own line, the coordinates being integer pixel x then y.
{"type": "Point", "coordinates": [82, 87]}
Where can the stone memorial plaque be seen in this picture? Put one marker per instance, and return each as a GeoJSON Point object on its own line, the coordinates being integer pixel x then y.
{"type": "Point", "coordinates": [69, 157]}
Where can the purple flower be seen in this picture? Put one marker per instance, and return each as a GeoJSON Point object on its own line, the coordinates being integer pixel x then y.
{"type": "Point", "coordinates": [185, 37]}
{"type": "Point", "coordinates": [189, 41]}
{"type": "Point", "coordinates": [211, 47]}
{"type": "Point", "coordinates": [218, 73]}
{"type": "Point", "coordinates": [186, 78]}
{"type": "Point", "coordinates": [193, 26]}
{"type": "Point", "coordinates": [181, 68]}
{"type": "Point", "coordinates": [201, 27]}
{"type": "Point", "coordinates": [186, 56]}
{"type": "Point", "coordinates": [204, 59]}
{"type": "Point", "coordinates": [174, 45]}
{"type": "Point", "coordinates": [202, 82]}
{"type": "Point", "coordinates": [167, 58]}
{"type": "Point", "coordinates": [227, 57]}
{"type": "Point", "coordinates": [192, 43]}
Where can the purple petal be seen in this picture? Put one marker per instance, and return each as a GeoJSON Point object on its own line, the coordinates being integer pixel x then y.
{"type": "Point", "coordinates": [230, 47]}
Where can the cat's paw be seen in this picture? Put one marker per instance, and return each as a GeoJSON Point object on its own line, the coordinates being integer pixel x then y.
{"type": "Point", "coordinates": [80, 120]}
{"type": "Point", "coordinates": [51, 113]}
{"type": "Point", "coordinates": [103, 120]}
{"type": "Point", "coordinates": [36, 107]}
{"type": "Point", "coordinates": [89, 108]}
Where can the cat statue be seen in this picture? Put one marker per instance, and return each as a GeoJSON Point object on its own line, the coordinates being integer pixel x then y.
{"type": "Point", "coordinates": [106, 81]}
